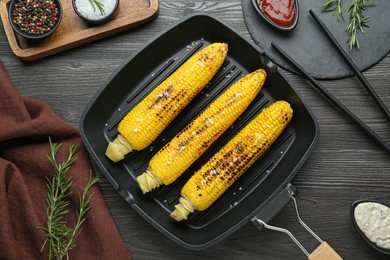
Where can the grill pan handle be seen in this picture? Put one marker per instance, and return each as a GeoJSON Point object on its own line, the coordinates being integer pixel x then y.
{"type": "Point", "coordinates": [323, 252]}
{"type": "Point", "coordinates": [274, 206]}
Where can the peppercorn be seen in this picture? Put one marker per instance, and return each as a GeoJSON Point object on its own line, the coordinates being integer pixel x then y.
{"type": "Point", "coordinates": [35, 17]}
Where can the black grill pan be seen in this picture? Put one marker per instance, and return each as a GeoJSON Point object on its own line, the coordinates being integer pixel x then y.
{"type": "Point", "coordinates": [254, 192]}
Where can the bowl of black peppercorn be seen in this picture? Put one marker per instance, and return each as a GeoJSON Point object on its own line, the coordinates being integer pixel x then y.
{"type": "Point", "coordinates": [35, 19]}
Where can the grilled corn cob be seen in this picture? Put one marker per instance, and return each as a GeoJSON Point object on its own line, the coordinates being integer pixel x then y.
{"type": "Point", "coordinates": [228, 164]}
{"type": "Point", "coordinates": [187, 146]}
{"type": "Point", "coordinates": [141, 126]}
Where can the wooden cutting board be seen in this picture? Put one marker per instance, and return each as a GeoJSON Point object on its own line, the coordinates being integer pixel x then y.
{"type": "Point", "coordinates": [73, 31]}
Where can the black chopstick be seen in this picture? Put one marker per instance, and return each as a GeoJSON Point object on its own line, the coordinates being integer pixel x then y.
{"type": "Point", "coordinates": [350, 62]}
{"type": "Point", "coordinates": [333, 100]}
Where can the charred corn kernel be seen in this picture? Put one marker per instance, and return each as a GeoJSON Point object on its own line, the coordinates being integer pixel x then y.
{"type": "Point", "coordinates": [141, 126]}
{"type": "Point", "coordinates": [229, 163]}
{"type": "Point", "coordinates": [187, 146]}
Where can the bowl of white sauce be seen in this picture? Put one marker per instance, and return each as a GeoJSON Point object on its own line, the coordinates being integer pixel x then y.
{"type": "Point", "coordinates": [96, 12]}
{"type": "Point", "coordinates": [372, 220]}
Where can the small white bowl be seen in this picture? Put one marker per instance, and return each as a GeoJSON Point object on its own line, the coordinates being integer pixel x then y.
{"type": "Point", "coordinates": [91, 14]}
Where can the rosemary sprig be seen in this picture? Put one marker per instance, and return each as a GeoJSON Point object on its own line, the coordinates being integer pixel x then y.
{"type": "Point", "coordinates": [335, 7]}
{"type": "Point", "coordinates": [59, 236]}
{"type": "Point", "coordinates": [99, 5]}
{"type": "Point", "coordinates": [356, 21]}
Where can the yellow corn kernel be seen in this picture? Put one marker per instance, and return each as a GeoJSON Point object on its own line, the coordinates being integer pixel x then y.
{"type": "Point", "coordinates": [141, 126]}
{"type": "Point", "coordinates": [229, 163]}
{"type": "Point", "coordinates": [187, 146]}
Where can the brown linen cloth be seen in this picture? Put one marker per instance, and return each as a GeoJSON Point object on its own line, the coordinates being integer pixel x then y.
{"type": "Point", "coordinates": [25, 126]}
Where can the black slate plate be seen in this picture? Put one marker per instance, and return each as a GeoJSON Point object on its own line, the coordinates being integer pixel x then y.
{"type": "Point", "coordinates": [309, 46]}
{"type": "Point", "coordinates": [142, 72]}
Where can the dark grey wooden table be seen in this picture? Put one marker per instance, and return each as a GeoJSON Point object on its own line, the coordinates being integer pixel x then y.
{"type": "Point", "coordinates": [345, 166]}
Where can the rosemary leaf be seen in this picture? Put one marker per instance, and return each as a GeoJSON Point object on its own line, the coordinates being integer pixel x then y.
{"type": "Point", "coordinates": [335, 7]}
{"type": "Point", "coordinates": [99, 5]}
{"type": "Point", "coordinates": [84, 208]}
{"type": "Point", "coordinates": [357, 21]}
{"type": "Point", "coordinates": [59, 237]}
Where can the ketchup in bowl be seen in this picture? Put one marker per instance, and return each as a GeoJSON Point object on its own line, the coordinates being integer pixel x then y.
{"type": "Point", "coordinates": [282, 14]}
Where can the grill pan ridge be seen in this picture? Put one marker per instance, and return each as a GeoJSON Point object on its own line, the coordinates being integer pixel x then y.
{"type": "Point", "coordinates": [140, 73]}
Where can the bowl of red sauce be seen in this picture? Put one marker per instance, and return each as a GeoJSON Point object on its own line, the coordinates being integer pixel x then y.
{"type": "Point", "coordinates": [281, 14]}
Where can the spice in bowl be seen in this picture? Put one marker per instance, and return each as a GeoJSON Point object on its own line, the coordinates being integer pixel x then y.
{"type": "Point", "coordinates": [96, 11]}
{"type": "Point", "coordinates": [35, 19]}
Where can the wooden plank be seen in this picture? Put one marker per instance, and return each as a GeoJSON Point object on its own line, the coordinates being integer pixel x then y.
{"type": "Point", "coordinates": [74, 31]}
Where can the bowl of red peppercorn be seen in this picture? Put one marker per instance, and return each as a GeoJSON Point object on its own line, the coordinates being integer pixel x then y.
{"type": "Point", "coordinates": [35, 19]}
